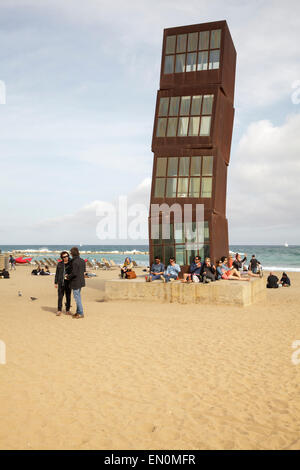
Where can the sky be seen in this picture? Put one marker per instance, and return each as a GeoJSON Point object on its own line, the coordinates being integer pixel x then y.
{"type": "Point", "coordinates": [80, 81]}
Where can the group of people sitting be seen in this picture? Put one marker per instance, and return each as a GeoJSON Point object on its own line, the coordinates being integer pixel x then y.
{"type": "Point", "coordinates": [206, 272]}
{"type": "Point", "coordinates": [41, 271]}
{"type": "Point", "coordinates": [273, 281]}
{"type": "Point", "coordinates": [4, 274]}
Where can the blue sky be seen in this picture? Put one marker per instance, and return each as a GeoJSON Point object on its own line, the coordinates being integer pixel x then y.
{"type": "Point", "coordinates": [81, 82]}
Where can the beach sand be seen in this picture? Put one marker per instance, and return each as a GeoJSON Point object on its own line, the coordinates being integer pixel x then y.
{"type": "Point", "coordinates": [135, 375]}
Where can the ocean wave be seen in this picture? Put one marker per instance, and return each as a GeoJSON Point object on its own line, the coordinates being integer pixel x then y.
{"type": "Point", "coordinates": [289, 269]}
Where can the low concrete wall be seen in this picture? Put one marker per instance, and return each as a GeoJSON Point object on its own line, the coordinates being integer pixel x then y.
{"type": "Point", "coordinates": [219, 292]}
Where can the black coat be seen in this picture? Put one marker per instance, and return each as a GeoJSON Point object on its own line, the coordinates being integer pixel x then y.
{"type": "Point", "coordinates": [76, 278]}
{"type": "Point", "coordinates": [61, 270]}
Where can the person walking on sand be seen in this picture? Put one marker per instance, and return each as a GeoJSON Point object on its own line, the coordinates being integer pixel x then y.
{"type": "Point", "coordinates": [77, 280]}
{"type": "Point", "coordinates": [12, 263]}
{"type": "Point", "coordinates": [62, 284]}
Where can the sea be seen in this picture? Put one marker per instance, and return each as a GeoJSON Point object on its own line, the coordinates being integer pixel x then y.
{"type": "Point", "coordinates": [272, 257]}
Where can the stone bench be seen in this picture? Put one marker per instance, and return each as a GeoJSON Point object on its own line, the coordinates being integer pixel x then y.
{"type": "Point", "coordinates": [219, 292]}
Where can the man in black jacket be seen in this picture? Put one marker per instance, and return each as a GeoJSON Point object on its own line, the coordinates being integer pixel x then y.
{"type": "Point", "coordinates": [272, 281]}
{"type": "Point", "coordinates": [77, 280]}
{"type": "Point", "coordinates": [61, 283]}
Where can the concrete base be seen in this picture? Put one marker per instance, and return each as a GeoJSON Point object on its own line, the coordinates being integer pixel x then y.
{"type": "Point", "coordinates": [219, 292]}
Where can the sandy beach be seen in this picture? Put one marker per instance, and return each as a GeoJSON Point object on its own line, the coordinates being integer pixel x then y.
{"type": "Point", "coordinates": [136, 375]}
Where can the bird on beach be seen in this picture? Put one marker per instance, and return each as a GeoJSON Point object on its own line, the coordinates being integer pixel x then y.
{"type": "Point", "coordinates": [33, 298]}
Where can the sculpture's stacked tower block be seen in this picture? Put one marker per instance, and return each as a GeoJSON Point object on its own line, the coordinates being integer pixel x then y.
{"type": "Point", "coordinates": [192, 136]}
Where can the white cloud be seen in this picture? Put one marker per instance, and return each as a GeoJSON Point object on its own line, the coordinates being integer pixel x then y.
{"type": "Point", "coordinates": [80, 226]}
{"type": "Point", "coordinates": [264, 185]}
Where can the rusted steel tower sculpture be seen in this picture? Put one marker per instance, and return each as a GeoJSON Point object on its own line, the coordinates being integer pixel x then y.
{"type": "Point", "coordinates": [192, 136]}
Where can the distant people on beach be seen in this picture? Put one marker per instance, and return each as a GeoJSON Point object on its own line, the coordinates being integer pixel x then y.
{"type": "Point", "coordinates": [45, 271]}
{"type": "Point", "coordinates": [62, 284]}
{"type": "Point", "coordinates": [285, 280]}
{"type": "Point", "coordinates": [127, 266]}
{"type": "Point", "coordinates": [12, 262]}
{"type": "Point", "coordinates": [238, 262]}
{"type": "Point", "coordinates": [226, 273]}
{"type": "Point", "coordinates": [4, 274]}
{"type": "Point", "coordinates": [194, 273]}
{"type": "Point", "coordinates": [77, 280]}
{"type": "Point", "coordinates": [272, 281]}
{"type": "Point", "coordinates": [156, 271]}
{"type": "Point", "coordinates": [36, 271]}
{"type": "Point", "coordinates": [208, 271]}
{"type": "Point", "coordinates": [172, 271]}
{"type": "Point", "coordinates": [254, 265]}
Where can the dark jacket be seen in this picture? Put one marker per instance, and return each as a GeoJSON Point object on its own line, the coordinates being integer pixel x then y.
{"type": "Point", "coordinates": [272, 282]}
{"type": "Point", "coordinates": [76, 278]}
{"type": "Point", "coordinates": [194, 269]}
{"type": "Point", "coordinates": [61, 270]}
{"type": "Point", "coordinates": [238, 265]}
{"type": "Point", "coordinates": [208, 269]}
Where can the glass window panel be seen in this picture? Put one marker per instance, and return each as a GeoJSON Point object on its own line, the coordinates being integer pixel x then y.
{"type": "Point", "coordinates": [196, 166]}
{"type": "Point", "coordinates": [207, 104]}
{"type": "Point", "coordinates": [183, 126]}
{"type": "Point", "coordinates": [161, 127]}
{"type": "Point", "coordinates": [174, 106]}
{"type": "Point", "coordinates": [205, 125]}
{"type": "Point", "coordinates": [184, 166]}
{"type": "Point", "coordinates": [215, 39]}
{"type": "Point", "coordinates": [202, 61]}
{"type": "Point", "coordinates": [206, 231]}
{"type": "Point", "coordinates": [189, 231]}
{"type": "Point", "coordinates": [169, 64]}
{"type": "Point", "coordinates": [167, 232]}
{"type": "Point", "coordinates": [156, 232]}
{"type": "Point", "coordinates": [194, 126]}
{"type": "Point", "coordinates": [170, 44]}
{"type": "Point", "coordinates": [182, 190]}
{"type": "Point", "coordinates": [171, 187]}
{"type": "Point", "coordinates": [158, 251]}
{"type": "Point", "coordinates": [161, 167]}
{"type": "Point", "coordinates": [163, 107]}
{"type": "Point", "coordinates": [214, 59]}
{"type": "Point", "coordinates": [180, 255]}
{"type": "Point", "coordinates": [160, 184]}
{"type": "Point", "coordinates": [196, 105]}
{"type": "Point", "coordinates": [172, 127]}
{"type": "Point", "coordinates": [185, 105]}
{"type": "Point", "coordinates": [191, 254]}
{"type": "Point", "coordinates": [172, 166]}
{"type": "Point", "coordinates": [200, 232]}
{"type": "Point", "coordinates": [180, 63]}
{"type": "Point", "coordinates": [206, 187]}
{"type": "Point", "coordinates": [207, 166]}
{"type": "Point", "coordinates": [169, 252]}
{"type": "Point", "coordinates": [181, 43]}
{"type": "Point", "coordinates": [193, 42]}
{"type": "Point", "coordinates": [194, 187]}
{"type": "Point", "coordinates": [203, 40]}
{"type": "Point", "coordinates": [178, 232]}
{"type": "Point", "coordinates": [191, 62]}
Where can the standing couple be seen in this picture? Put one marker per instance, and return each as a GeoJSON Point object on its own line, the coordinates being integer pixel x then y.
{"type": "Point", "coordinates": [70, 276]}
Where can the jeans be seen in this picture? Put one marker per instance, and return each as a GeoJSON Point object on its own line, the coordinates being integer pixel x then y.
{"type": "Point", "coordinates": [77, 297]}
{"type": "Point", "coordinates": [169, 277]}
{"type": "Point", "coordinates": [154, 277]}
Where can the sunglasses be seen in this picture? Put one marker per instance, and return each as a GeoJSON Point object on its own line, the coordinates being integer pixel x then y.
{"type": "Point", "coordinates": [66, 256]}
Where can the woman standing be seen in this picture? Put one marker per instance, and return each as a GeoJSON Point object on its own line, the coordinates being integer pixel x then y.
{"type": "Point", "coordinates": [62, 284]}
